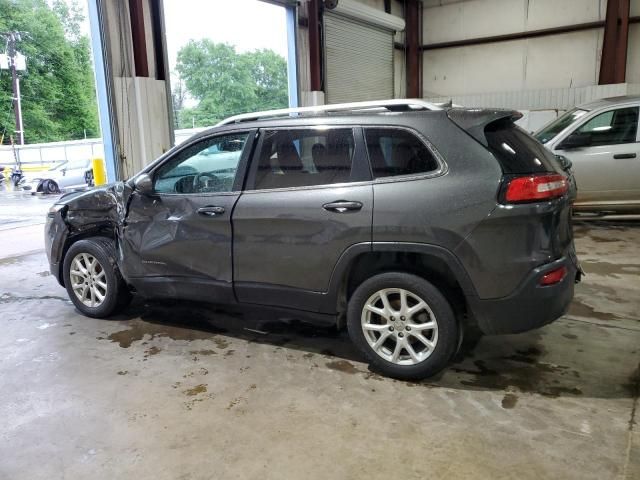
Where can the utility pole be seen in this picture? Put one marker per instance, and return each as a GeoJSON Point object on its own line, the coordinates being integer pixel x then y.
{"type": "Point", "coordinates": [15, 62]}
{"type": "Point", "coordinates": [15, 81]}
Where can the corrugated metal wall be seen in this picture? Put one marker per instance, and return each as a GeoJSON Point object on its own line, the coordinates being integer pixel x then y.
{"type": "Point", "coordinates": [545, 99]}
{"type": "Point", "coordinates": [358, 60]}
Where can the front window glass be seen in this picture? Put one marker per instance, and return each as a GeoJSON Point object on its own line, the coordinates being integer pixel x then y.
{"type": "Point", "coordinates": [559, 124]}
{"type": "Point", "coordinates": [612, 127]}
{"type": "Point", "coordinates": [208, 166]}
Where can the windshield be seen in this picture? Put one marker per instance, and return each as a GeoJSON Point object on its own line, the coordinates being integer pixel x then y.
{"type": "Point", "coordinates": [554, 128]}
{"type": "Point", "coordinates": [76, 164]}
{"type": "Point", "coordinates": [58, 166]}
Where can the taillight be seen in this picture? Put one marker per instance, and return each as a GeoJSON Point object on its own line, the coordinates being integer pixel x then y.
{"type": "Point", "coordinates": [536, 187]}
{"type": "Point", "coordinates": [554, 276]}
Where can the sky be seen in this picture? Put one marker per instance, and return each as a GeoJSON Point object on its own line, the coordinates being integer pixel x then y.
{"type": "Point", "coordinates": [246, 24]}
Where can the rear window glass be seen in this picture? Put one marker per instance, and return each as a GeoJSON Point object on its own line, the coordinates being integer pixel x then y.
{"type": "Point", "coordinates": [397, 152]}
{"type": "Point", "coordinates": [517, 151]}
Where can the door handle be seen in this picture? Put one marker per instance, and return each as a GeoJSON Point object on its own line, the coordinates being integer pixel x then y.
{"type": "Point", "coordinates": [342, 206]}
{"type": "Point", "coordinates": [211, 211]}
{"type": "Point", "coordinates": [620, 156]}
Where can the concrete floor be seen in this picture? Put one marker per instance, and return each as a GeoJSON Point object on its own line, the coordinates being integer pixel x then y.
{"type": "Point", "coordinates": [178, 391]}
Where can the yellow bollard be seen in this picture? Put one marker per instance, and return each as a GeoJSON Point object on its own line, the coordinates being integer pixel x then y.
{"type": "Point", "coordinates": [99, 172]}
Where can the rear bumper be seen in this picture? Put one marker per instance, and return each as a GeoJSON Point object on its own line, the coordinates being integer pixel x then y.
{"type": "Point", "coordinates": [531, 305]}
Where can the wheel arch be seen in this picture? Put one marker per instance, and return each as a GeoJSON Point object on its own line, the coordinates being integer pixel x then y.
{"type": "Point", "coordinates": [435, 264]}
{"type": "Point", "coordinates": [102, 231]}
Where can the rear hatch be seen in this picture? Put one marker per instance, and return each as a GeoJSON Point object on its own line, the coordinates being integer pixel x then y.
{"type": "Point", "coordinates": [534, 201]}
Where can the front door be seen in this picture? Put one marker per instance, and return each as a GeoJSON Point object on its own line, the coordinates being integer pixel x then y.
{"type": "Point", "coordinates": [608, 170]}
{"type": "Point", "coordinates": [308, 199]}
{"type": "Point", "coordinates": [178, 240]}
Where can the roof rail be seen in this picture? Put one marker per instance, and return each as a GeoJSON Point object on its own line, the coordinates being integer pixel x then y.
{"type": "Point", "coordinates": [392, 105]}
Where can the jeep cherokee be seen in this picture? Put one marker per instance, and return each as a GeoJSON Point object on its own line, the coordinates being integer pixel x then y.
{"type": "Point", "coordinates": [407, 222]}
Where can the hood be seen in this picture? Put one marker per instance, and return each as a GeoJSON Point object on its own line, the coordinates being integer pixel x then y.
{"type": "Point", "coordinates": [106, 204]}
{"type": "Point", "coordinates": [98, 198]}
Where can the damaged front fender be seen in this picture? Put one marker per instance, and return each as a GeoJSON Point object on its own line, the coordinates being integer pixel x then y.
{"type": "Point", "coordinates": [99, 211]}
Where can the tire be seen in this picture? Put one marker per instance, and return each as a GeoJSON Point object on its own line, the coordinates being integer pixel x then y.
{"type": "Point", "coordinates": [88, 178]}
{"type": "Point", "coordinates": [435, 322]}
{"type": "Point", "coordinates": [106, 280]}
{"type": "Point", "coordinates": [49, 186]}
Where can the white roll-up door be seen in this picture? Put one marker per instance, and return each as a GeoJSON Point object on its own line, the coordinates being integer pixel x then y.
{"type": "Point", "coordinates": [358, 60]}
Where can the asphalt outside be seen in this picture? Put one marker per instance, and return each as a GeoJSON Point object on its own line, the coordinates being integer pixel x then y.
{"type": "Point", "coordinates": [188, 391]}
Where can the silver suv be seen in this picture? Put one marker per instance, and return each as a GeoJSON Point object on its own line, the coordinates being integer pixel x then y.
{"type": "Point", "coordinates": [602, 142]}
{"type": "Point", "coordinates": [405, 222]}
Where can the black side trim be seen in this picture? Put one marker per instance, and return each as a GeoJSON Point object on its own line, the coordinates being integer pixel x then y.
{"type": "Point", "coordinates": [184, 288]}
{"type": "Point", "coordinates": [278, 296]}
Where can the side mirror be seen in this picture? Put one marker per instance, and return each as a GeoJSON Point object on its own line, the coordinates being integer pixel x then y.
{"type": "Point", "coordinates": [576, 140]}
{"type": "Point", "coordinates": [564, 162]}
{"type": "Point", "coordinates": [143, 184]}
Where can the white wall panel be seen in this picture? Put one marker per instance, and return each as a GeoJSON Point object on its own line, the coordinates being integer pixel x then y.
{"type": "Point", "coordinates": [545, 99]}
{"type": "Point", "coordinates": [633, 54]}
{"type": "Point", "coordinates": [486, 18]}
{"type": "Point", "coordinates": [567, 60]}
{"type": "Point", "coordinates": [554, 13]}
{"type": "Point", "coordinates": [548, 62]}
{"type": "Point", "coordinates": [478, 68]}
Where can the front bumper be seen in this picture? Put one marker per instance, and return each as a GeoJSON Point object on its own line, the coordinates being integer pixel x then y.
{"type": "Point", "coordinates": [531, 305]}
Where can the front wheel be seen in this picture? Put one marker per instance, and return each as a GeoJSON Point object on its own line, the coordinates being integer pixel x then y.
{"type": "Point", "coordinates": [403, 325]}
{"type": "Point", "coordinates": [92, 278]}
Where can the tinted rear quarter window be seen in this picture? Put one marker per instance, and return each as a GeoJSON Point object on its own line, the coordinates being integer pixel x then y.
{"type": "Point", "coordinates": [394, 151]}
{"type": "Point", "coordinates": [517, 151]}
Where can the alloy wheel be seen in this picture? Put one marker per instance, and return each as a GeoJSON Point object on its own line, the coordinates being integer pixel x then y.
{"type": "Point", "coordinates": [399, 326]}
{"type": "Point", "coordinates": [88, 280]}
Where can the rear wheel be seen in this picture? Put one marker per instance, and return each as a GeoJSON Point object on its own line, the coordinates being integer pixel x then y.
{"type": "Point", "coordinates": [403, 324]}
{"type": "Point", "coordinates": [49, 186]}
{"type": "Point", "coordinates": [92, 278]}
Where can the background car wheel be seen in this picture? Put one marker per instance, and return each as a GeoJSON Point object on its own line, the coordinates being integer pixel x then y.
{"type": "Point", "coordinates": [92, 278]}
{"type": "Point", "coordinates": [403, 325]}
{"type": "Point", "coordinates": [49, 186]}
{"type": "Point", "coordinates": [88, 178]}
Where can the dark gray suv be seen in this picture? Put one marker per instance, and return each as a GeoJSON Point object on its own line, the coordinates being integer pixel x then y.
{"type": "Point", "coordinates": [408, 223]}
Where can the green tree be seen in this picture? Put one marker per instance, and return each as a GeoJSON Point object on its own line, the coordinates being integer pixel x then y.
{"type": "Point", "coordinates": [225, 82]}
{"type": "Point", "coordinates": [268, 71]}
{"type": "Point", "coordinates": [58, 93]}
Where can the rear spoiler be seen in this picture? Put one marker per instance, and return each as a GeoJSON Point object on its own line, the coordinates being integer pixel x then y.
{"type": "Point", "coordinates": [474, 120]}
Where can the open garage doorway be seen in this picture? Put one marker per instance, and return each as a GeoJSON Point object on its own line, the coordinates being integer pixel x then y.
{"type": "Point", "coordinates": [226, 58]}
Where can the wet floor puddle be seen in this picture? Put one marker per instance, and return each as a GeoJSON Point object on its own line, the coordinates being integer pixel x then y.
{"type": "Point", "coordinates": [139, 329]}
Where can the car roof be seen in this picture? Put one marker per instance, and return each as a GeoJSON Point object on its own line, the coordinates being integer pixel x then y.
{"type": "Point", "coordinates": [609, 102]}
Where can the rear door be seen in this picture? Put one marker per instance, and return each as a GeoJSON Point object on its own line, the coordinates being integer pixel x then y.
{"type": "Point", "coordinates": [607, 171]}
{"type": "Point", "coordinates": [308, 199]}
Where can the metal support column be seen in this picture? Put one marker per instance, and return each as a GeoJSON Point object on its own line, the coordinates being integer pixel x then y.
{"type": "Point", "coordinates": [292, 63]}
{"type": "Point", "coordinates": [315, 69]}
{"type": "Point", "coordinates": [613, 66]}
{"type": "Point", "coordinates": [103, 88]}
{"type": "Point", "coordinates": [413, 53]}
